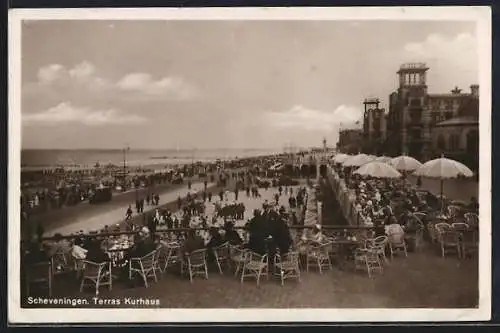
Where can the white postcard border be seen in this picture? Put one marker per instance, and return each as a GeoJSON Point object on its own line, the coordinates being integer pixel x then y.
{"type": "Point", "coordinates": [16, 314]}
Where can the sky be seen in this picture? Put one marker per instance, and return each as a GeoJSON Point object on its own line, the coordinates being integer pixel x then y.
{"type": "Point", "coordinates": [222, 84]}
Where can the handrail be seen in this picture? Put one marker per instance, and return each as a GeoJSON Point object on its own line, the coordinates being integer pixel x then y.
{"type": "Point", "coordinates": [108, 234]}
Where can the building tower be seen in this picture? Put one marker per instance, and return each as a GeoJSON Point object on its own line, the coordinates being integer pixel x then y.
{"type": "Point", "coordinates": [413, 120]}
{"type": "Point", "coordinates": [374, 126]}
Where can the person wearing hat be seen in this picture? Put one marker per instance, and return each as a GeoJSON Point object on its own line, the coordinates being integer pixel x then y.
{"type": "Point", "coordinates": [231, 235]}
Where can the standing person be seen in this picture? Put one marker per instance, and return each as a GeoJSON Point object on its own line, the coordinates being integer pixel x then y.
{"type": "Point", "coordinates": [179, 202]}
{"type": "Point", "coordinates": [205, 185]}
{"type": "Point", "coordinates": [148, 199]}
{"type": "Point", "coordinates": [277, 198]}
{"type": "Point", "coordinates": [204, 195]}
{"type": "Point", "coordinates": [280, 190]}
{"type": "Point", "coordinates": [209, 196]}
{"type": "Point", "coordinates": [221, 195]}
{"type": "Point", "coordinates": [128, 214]}
{"type": "Point", "coordinates": [236, 192]}
{"type": "Point", "coordinates": [248, 191]}
{"type": "Point", "coordinates": [189, 184]}
{"type": "Point", "coordinates": [137, 206]}
{"type": "Point", "coordinates": [141, 205]}
{"type": "Point", "coordinates": [157, 199]}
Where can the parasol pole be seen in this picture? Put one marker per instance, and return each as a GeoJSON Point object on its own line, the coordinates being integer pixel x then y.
{"type": "Point", "coordinates": [441, 187]}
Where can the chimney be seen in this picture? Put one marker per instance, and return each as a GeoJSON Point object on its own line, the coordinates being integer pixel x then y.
{"type": "Point", "coordinates": [474, 90]}
{"type": "Point", "coordinates": [456, 91]}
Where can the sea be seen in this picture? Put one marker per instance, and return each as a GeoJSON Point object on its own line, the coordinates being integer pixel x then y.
{"type": "Point", "coordinates": [47, 158]}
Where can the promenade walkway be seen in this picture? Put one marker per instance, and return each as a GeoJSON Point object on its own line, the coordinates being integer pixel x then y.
{"type": "Point", "coordinates": [117, 215]}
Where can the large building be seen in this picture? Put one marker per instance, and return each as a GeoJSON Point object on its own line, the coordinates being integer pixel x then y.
{"type": "Point", "coordinates": [350, 141]}
{"type": "Point", "coordinates": [414, 114]}
{"type": "Point", "coordinates": [374, 127]}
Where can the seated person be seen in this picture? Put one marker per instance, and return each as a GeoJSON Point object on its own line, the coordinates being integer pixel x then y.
{"type": "Point", "coordinates": [95, 253]}
{"type": "Point", "coordinates": [215, 240]}
{"type": "Point", "coordinates": [142, 246]}
{"type": "Point", "coordinates": [35, 253]}
{"type": "Point", "coordinates": [394, 230]}
{"type": "Point", "coordinates": [192, 243]}
{"type": "Point", "coordinates": [232, 235]}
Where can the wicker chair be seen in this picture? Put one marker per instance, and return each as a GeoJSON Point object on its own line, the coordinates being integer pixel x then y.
{"type": "Point", "coordinates": [255, 265]}
{"type": "Point", "coordinates": [39, 273]}
{"type": "Point", "coordinates": [145, 266]}
{"type": "Point", "coordinates": [221, 254]}
{"type": "Point", "coordinates": [319, 256]}
{"type": "Point", "coordinates": [196, 263]}
{"type": "Point", "coordinates": [397, 242]}
{"type": "Point", "coordinates": [287, 266]}
{"type": "Point", "coordinates": [450, 240]}
{"type": "Point", "coordinates": [169, 254]}
{"type": "Point", "coordinates": [237, 257]}
{"type": "Point", "coordinates": [472, 219]}
{"type": "Point", "coordinates": [369, 259]}
{"type": "Point", "coordinates": [469, 243]}
{"type": "Point", "coordinates": [99, 274]}
{"type": "Point", "coordinates": [379, 245]}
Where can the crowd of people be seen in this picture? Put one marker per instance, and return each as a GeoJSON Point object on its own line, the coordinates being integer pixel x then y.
{"type": "Point", "coordinates": [388, 202]}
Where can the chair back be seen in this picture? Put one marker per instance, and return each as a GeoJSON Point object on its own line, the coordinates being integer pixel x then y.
{"type": "Point", "coordinates": [39, 272]}
{"type": "Point", "coordinates": [255, 257]}
{"type": "Point", "coordinates": [290, 257]}
{"type": "Point", "coordinates": [472, 219]}
{"type": "Point", "coordinates": [449, 237]}
{"type": "Point", "coordinates": [93, 268]}
{"type": "Point", "coordinates": [442, 227]}
{"type": "Point", "coordinates": [222, 251]}
{"type": "Point", "coordinates": [453, 210]}
{"type": "Point", "coordinates": [460, 226]}
{"type": "Point", "coordinates": [149, 260]}
{"type": "Point", "coordinates": [236, 251]}
{"type": "Point", "coordinates": [197, 257]}
{"type": "Point", "coordinates": [396, 238]}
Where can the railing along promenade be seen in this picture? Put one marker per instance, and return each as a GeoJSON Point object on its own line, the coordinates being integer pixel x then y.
{"type": "Point", "coordinates": [345, 197]}
{"type": "Point", "coordinates": [295, 230]}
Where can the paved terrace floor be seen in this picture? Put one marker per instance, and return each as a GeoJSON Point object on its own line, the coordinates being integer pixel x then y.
{"type": "Point", "coordinates": [422, 280]}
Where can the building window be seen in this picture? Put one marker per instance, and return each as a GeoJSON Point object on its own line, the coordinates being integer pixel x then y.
{"type": "Point", "coordinates": [441, 142]}
{"type": "Point", "coordinates": [454, 142]}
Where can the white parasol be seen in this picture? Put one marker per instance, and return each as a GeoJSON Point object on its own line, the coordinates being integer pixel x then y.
{"type": "Point", "coordinates": [405, 163]}
{"type": "Point", "coordinates": [378, 170]}
{"type": "Point", "coordinates": [384, 159]}
{"type": "Point", "coordinates": [340, 158]}
{"type": "Point", "coordinates": [358, 160]}
{"type": "Point", "coordinates": [443, 168]}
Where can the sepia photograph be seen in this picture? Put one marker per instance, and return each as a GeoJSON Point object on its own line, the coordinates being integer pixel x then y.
{"type": "Point", "coordinates": [320, 164]}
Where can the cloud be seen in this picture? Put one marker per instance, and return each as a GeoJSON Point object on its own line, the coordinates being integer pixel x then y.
{"type": "Point", "coordinates": [168, 87]}
{"type": "Point", "coordinates": [82, 71]}
{"type": "Point", "coordinates": [67, 113]}
{"type": "Point", "coordinates": [302, 118]}
{"type": "Point", "coordinates": [459, 51]}
{"type": "Point", "coordinates": [51, 73]}
{"type": "Point", "coordinates": [83, 82]}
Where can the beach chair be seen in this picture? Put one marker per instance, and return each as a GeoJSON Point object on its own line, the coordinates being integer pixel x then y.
{"type": "Point", "coordinates": [98, 274]}
{"type": "Point", "coordinates": [287, 266]}
{"type": "Point", "coordinates": [145, 266]}
{"type": "Point", "coordinates": [39, 273]}
{"type": "Point", "coordinates": [255, 266]}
